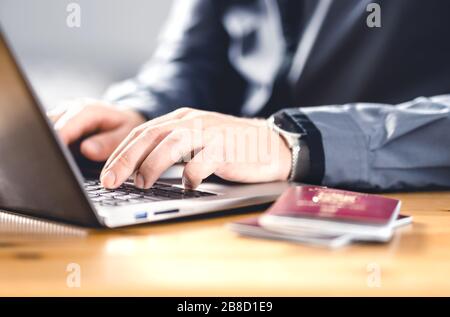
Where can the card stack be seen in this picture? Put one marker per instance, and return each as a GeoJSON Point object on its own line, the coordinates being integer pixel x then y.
{"type": "Point", "coordinates": [326, 217]}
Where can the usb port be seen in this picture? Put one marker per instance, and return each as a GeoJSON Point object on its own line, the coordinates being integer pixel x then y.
{"type": "Point", "coordinates": [140, 215]}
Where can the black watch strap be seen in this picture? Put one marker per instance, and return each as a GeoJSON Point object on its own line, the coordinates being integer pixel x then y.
{"type": "Point", "coordinates": [303, 163]}
{"type": "Point", "coordinates": [312, 138]}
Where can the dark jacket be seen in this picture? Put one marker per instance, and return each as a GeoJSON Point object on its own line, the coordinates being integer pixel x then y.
{"type": "Point", "coordinates": [238, 57]}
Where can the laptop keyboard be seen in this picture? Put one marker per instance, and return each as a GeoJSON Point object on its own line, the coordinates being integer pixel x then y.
{"type": "Point", "coordinates": [128, 194]}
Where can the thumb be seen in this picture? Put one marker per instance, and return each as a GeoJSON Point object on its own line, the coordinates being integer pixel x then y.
{"type": "Point", "coordinates": [100, 146]}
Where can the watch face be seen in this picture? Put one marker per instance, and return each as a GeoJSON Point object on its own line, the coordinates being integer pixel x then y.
{"type": "Point", "coordinates": [285, 123]}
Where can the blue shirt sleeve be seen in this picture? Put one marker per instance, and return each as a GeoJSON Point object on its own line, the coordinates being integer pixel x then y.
{"type": "Point", "coordinates": [385, 147]}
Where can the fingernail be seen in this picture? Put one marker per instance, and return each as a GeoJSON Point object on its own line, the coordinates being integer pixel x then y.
{"type": "Point", "coordinates": [186, 183]}
{"type": "Point", "coordinates": [108, 179]}
{"type": "Point", "coordinates": [92, 147]}
{"type": "Point", "coordinates": [139, 180]}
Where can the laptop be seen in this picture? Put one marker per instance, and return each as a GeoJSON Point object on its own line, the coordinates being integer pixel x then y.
{"type": "Point", "coordinates": [39, 176]}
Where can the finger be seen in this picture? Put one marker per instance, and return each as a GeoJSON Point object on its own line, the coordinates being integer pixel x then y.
{"type": "Point", "coordinates": [176, 145]}
{"type": "Point", "coordinates": [135, 148]}
{"type": "Point", "coordinates": [56, 113]}
{"type": "Point", "coordinates": [205, 163]}
{"type": "Point", "coordinates": [174, 115]}
{"type": "Point", "coordinates": [76, 123]}
{"type": "Point", "coordinates": [131, 157]}
{"type": "Point", "coordinates": [100, 146]}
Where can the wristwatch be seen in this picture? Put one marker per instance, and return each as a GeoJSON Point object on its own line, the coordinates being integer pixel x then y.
{"type": "Point", "coordinates": [293, 135]}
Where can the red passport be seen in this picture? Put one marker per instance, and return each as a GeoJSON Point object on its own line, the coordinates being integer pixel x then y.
{"type": "Point", "coordinates": [334, 204]}
{"type": "Point", "coordinates": [332, 211]}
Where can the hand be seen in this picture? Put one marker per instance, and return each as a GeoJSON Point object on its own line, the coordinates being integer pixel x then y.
{"type": "Point", "coordinates": [107, 124]}
{"type": "Point", "coordinates": [235, 149]}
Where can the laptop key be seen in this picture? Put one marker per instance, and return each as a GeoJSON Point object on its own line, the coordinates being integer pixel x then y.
{"type": "Point", "coordinates": [108, 195]}
{"type": "Point", "coordinates": [122, 197]}
{"type": "Point", "coordinates": [131, 195]}
{"type": "Point", "coordinates": [109, 201]}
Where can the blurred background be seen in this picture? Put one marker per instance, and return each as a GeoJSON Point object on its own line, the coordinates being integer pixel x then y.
{"type": "Point", "coordinates": [115, 38]}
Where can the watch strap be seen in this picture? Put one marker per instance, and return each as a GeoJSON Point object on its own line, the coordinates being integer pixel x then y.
{"type": "Point", "coordinates": [312, 138]}
{"type": "Point", "coordinates": [301, 165]}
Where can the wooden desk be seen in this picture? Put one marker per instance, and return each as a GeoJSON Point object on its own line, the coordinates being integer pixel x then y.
{"type": "Point", "coordinates": [202, 257]}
